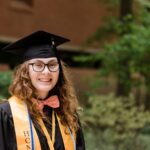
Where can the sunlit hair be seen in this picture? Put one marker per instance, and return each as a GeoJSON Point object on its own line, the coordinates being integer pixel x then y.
{"type": "Point", "coordinates": [24, 90]}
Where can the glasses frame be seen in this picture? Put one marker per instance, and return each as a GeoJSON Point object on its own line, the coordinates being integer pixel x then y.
{"type": "Point", "coordinates": [45, 65]}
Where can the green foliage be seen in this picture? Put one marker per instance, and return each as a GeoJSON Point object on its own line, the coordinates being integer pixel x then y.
{"type": "Point", "coordinates": [121, 114]}
{"type": "Point", "coordinates": [5, 80]}
{"type": "Point", "coordinates": [130, 54]}
{"type": "Point", "coordinates": [117, 122]}
{"type": "Point", "coordinates": [145, 3]}
{"type": "Point", "coordinates": [92, 139]}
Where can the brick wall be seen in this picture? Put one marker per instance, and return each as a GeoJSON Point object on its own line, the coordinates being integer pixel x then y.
{"type": "Point", "coordinates": [76, 19]}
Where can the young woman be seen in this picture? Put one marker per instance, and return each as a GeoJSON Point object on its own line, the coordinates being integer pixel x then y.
{"type": "Point", "coordinates": [41, 114]}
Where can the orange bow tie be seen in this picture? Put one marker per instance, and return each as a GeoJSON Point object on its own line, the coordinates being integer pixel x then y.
{"type": "Point", "coordinates": [52, 101]}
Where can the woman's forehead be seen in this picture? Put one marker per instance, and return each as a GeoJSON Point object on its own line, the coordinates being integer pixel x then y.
{"type": "Point", "coordinates": [45, 60]}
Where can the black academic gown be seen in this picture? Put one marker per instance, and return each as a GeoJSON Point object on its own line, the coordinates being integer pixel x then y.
{"type": "Point", "coordinates": [8, 137]}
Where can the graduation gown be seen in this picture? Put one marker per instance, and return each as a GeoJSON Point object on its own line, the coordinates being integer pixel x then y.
{"type": "Point", "coordinates": [8, 137]}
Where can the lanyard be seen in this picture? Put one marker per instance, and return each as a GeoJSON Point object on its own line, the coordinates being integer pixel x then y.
{"type": "Point", "coordinates": [31, 133]}
{"type": "Point", "coordinates": [44, 129]}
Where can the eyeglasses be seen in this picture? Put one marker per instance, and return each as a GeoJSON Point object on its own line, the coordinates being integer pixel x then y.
{"type": "Point", "coordinates": [39, 66]}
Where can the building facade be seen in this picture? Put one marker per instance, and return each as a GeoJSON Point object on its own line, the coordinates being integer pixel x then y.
{"type": "Point", "coordinates": [76, 20]}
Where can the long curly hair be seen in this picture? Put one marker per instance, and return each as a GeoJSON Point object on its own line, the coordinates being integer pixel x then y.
{"type": "Point", "coordinates": [22, 88]}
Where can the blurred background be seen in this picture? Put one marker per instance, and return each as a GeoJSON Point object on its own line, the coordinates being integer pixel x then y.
{"type": "Point", "coordinates": [109, 60]}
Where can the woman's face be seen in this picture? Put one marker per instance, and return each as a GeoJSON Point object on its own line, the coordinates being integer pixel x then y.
{"type": "Point", "coordinates": [43, 77]}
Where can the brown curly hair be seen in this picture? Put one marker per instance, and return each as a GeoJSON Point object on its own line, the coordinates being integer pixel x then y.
{"type": "Point", "coordinates": [22, 88]}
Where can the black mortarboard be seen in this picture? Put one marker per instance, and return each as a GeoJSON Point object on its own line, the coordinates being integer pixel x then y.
{"type": "Point", "coordinates": [39, 44]}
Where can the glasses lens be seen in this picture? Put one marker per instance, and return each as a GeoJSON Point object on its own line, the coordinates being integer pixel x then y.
{"type": "Point", "coordinates": [38, 66]}
{"type": "Point", "coordinates": [53, 66]}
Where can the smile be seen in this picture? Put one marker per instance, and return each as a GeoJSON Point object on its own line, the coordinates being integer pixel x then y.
{"type": "Point", "coordinates": [45, 80]}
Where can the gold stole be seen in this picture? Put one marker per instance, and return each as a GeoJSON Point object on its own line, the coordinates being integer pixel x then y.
{"type": "Point", "coordinates": [69, 139]}
{"type": "Point", "coordinates": [22, 126]}
{"type": "Point", "coordinates": [22, 129]}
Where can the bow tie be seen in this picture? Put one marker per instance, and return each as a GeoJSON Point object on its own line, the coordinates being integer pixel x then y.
{"type": "Point", "coordinates": [52, 101]}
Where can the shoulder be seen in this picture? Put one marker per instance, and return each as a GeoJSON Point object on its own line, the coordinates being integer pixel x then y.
{"type": "Point", "coordinates": [4, 105]}
{"type": "Point", "coordinates": [5, 108]}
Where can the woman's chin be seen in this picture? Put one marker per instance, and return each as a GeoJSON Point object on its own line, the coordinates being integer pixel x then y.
{"type": "Point", "coordinates": [44, 89]}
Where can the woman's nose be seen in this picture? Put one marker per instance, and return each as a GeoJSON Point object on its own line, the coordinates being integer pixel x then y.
{"type": "Point", "coordinates": [46, 70]}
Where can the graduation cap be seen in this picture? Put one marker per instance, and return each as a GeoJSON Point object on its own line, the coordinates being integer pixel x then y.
{"type": "Point", "coordinates": [39, 44]}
